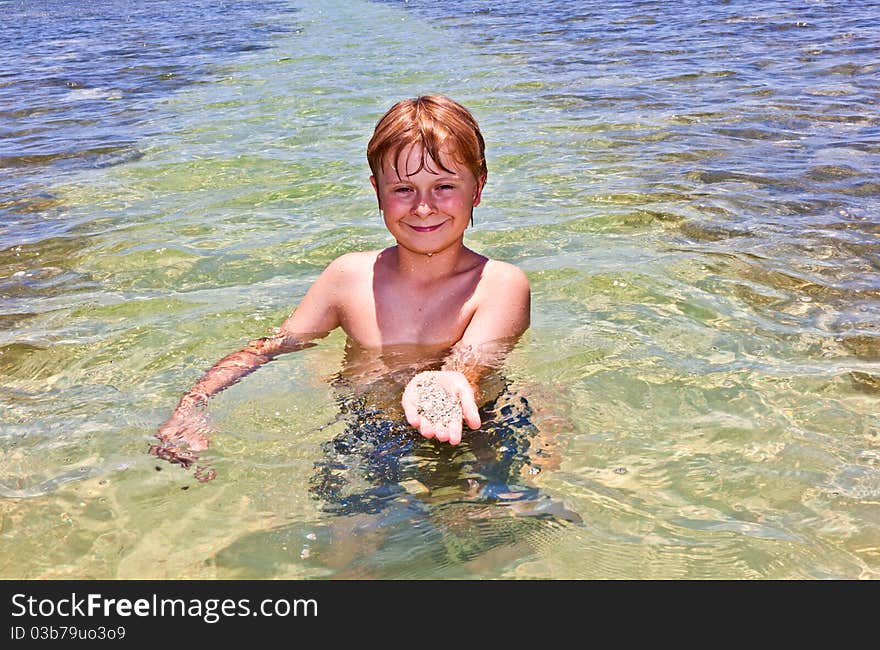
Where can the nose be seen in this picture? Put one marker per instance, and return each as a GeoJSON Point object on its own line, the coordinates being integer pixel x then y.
{"type": "Point", "coordinates": [423, 206]}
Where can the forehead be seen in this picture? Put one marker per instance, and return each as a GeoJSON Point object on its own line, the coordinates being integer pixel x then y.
{"type": "Point", "coordinates": [412, 158]}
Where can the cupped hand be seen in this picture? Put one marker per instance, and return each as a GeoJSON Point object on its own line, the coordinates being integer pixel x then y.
{"type": "Point", "coordinates": [436, 403]}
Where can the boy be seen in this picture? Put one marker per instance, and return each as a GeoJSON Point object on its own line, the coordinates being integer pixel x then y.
{"type": "Point", "coordinates": [428, 292]}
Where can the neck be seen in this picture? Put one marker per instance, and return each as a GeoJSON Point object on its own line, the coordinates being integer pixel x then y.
{"type": "Point", "coordinates": [425, 267]}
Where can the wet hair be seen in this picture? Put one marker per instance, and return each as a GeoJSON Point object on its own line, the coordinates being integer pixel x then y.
{"type": "Point", "coordinates": [436, 124]}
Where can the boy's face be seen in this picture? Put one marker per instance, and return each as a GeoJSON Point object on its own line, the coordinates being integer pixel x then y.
{"type": "Point", "coordinates": [427, 211]}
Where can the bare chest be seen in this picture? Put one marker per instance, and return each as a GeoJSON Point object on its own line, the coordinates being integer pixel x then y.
{"type": "Point", "coordinates": [380, 314]}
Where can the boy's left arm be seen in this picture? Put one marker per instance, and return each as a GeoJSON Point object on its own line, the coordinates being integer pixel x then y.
{"type": "Point", "coordinates": [502, 315]}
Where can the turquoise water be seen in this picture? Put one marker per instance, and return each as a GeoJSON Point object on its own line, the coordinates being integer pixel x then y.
{"type": "Point", "coordinates": [691, 188]}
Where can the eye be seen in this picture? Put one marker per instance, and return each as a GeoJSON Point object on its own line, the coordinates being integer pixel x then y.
{"type": "Point", "coordinates": [403, 191]}
{"type": "Point", "coordinates": [446, 186]}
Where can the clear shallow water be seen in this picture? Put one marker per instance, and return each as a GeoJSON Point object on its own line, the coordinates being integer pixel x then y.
{"type": "Point", "coordinates": [691, 187]}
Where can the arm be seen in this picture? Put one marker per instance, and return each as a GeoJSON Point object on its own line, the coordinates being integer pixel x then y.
{"type": "Point", "coordinates": [314, 318]}
{"type": "Point", "coordinates": [502, 315]}
{"type": "Point", "coordinates": [188, 422]}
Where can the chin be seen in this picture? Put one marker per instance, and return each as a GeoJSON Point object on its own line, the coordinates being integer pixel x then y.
{"type": "Point", "coordinates": [422, 250]}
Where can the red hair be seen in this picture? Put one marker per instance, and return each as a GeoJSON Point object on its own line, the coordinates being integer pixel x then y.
{"type": "Point", "coordinates": [434, 123]}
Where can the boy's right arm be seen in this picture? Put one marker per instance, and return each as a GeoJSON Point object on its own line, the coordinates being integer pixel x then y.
{"type": "Point", "coordinates": [315, 317]}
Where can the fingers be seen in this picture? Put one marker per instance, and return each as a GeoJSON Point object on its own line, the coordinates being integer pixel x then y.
{"type": "Point", "coordinates": [455, 385]}
{"type": "Point", "coordinates": [469, 411]}
{"type": "Point", "coordinates": [455, 432]}
{"type": "Point", "coordinates": [427, 429]}
{"type": "Point", "coordinates": [450, 433]}
{"type": "Point", "coordinates": [411, 409]}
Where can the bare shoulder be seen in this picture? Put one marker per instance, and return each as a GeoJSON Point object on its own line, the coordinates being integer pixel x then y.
{"type": "Point", "coordinates": [504, 278]}
{"type": "Point", "coordinates": [356, 262]}
{"type": "Point", "coordinates": [502, 305]}
{"type": "Point", "coordinates": [342, 276]}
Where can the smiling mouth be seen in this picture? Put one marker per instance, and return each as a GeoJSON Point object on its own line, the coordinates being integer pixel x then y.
{"type": "Point", "coordinates": [426, 228]}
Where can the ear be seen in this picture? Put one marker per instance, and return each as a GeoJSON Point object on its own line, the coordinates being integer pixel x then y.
{"type": "Point", "coordinates": [481, 182]}
{"type": "Point", "coordinates": [375, 185]}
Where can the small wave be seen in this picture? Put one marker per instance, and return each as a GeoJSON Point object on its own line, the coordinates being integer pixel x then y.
{"type": "Point", "coordinates": [26, 488]}
{"type": "Point", "coordinates": [121, 157]}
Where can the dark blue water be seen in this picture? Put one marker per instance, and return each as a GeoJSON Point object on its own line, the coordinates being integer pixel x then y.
{"type": "Point", "coordinates": [760, 87]}
{"type": "Point", "coordinates": [79, 82]}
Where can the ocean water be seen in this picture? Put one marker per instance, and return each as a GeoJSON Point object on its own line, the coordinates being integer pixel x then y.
{"type": "Point", "coordinates": [692, 189]}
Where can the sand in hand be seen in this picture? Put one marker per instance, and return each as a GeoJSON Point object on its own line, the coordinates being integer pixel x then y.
{"type": "Point", "coordinates": [434, 403]}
